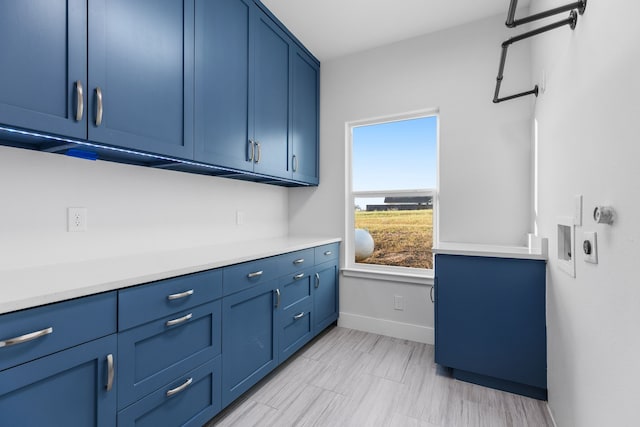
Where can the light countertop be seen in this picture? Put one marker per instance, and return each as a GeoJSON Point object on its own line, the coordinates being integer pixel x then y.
{"type": "Point", "coordinates": [537, 251]}
{"type": "Point", "coordinates": [30, 287]}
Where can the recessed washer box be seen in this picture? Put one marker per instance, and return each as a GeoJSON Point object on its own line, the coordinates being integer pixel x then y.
{"type": "Point", "coordinates": [566, 246]}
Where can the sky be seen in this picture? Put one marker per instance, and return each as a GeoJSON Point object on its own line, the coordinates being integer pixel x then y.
{"type": "Point", "coordinates": [395, 155]}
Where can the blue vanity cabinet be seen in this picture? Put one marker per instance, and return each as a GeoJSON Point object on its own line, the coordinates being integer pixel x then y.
{"type": "Point", "coordinates": [140, 68]}
{"type": "Point", "coordinates": [490, 321]}
{"type": "Point", "coordinates": [44, 66]}
{"type": "Point", "coordinates": [249, 337]}
{"type": "Point", "coordinates": [269, 87]}
{"type": "Point", "coordinates": [305, 117]}
{"type": "Point", "coordinates": [222, 46]}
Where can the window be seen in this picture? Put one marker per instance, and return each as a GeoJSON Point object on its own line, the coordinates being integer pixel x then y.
{"type": "Point", "coordinates": [393, 193]}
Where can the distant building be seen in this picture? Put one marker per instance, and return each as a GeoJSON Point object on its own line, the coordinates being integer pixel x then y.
{"type": "Point", "coordinates": [403, 204]}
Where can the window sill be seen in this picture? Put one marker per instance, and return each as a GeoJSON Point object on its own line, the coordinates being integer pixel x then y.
{"type": "Point", "coordinates": [424, 278]}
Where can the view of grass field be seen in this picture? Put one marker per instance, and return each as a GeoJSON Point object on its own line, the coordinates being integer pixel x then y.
{"type": "Point", "coordinates": [401, 238]}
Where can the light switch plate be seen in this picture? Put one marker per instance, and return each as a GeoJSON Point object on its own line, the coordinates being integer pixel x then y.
{"type": "Point", "coordinates": [590, 247]}
{"type": "Point", "coordinates": [577, 210]}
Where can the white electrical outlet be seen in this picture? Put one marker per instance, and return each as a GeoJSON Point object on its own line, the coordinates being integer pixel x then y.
{"type": "Point", "coordinates": [398, 302]}
{"type": "Point", "coordinates": [590, 247]}
{"type": "Point", "coordinates": [76, 219]}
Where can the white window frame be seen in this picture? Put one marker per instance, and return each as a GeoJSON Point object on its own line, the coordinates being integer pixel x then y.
{"type": "Point", "coordinates": [385, 272]}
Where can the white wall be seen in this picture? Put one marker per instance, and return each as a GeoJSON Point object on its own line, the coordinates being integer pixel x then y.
{"type": "Point", "coordinates": [484, 152]}
{"type": "Point", "coordinates": [588, 144]}
{"type": "Point", "coordinates": [131, 209]}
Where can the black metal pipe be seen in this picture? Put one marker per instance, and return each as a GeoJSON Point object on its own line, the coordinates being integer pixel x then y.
{"type": "Point", "coordinates": [571, 21]}
{"type": "Point", "coordinates": [512, 22]}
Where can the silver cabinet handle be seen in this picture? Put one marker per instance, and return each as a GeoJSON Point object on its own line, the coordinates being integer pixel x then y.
{"type": "Point", "coordinates": [327, 253]}
{"type": "Point", "coordinates": [298, 276]}
{"type": "Point", "coordinates": [317, 280]}
{"type": "Point", "coordinates": [294, 163]}
{"type": "Point", "coordinates": [431, 294]}
{"type": "Point", "coordinates": [79, 101]}
{"type": "Point", "coordinates": [299, 316]}
{"type": "Point", "coordinates": [298, 261]}
{"type": "Point", "coordinates": [257, 159]}
{"type": "Point", "coordinates": [180, 388]}
{"type": "Point", "coordinates": [110, 372]}
{"type": "Point", "coordinates": [255, 274]}
{"type": "Point", "coordinates": [251, 148]}
{"type": "Point", "coordinates": [179, 320]}
{"type": "Point", "coordinates": [180, 295]}
{"type": "Point", "coordinates": [26, 337]}
{"type": "Point", "coordinates": [99, 107]}
{"type": "Point", "coordinates": [277, 298]}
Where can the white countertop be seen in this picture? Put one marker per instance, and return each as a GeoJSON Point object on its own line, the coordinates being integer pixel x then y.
{"type": "Point", "coordinates": [496, 251]}
{"type": "Point", "coordinates": [30, 287]}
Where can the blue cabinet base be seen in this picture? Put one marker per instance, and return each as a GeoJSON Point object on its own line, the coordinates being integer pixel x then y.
{"type": "Point", "coordinates": [499, 384]}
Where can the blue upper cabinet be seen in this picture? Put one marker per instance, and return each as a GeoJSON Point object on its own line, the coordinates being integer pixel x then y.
{"type": "Point", "coordinates": [141, 75]}
{"type": "Point", "coordinates": [305, 119]}
{"type": "Point", "coordinates": [271, 74]}
{"type": "Point", "coordinates": [43, 62]}
{"type": "Point", "coordinates": [222, 82]}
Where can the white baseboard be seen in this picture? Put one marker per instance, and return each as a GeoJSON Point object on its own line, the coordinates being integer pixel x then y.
{"type": "Point", "coordinates": [553, 420]}
{"type": "Point", "coordinates": [406, 331]}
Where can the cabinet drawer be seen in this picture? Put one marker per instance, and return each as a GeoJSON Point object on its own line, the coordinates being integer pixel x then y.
{"type": "Point", "coordinates": [296, 287]}
{"type": "Point", "coordinates": [194, 398]}
{"type": "Point", "coordinates": [326, 253]}
{"type": "Point", "coordinates": [296, 328]}
{"type": "Point", "coordinates": [242, 276]}
{"type": "Point", "coordinates": [141, 304]}
{"type": "Point", "coordinates": [295, 261]}
{"type": "Point", "coordinates": [155, 353]}
{"type": "Point", "coordinates": [36, 332]}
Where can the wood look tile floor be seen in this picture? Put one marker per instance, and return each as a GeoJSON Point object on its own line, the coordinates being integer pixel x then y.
{"type": "Point", "coordinates": [352, 378]}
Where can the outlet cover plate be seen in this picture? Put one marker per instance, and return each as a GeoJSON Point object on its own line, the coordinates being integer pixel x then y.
{"type": "Point", "coordinates": [591, 246]}
{"type": "Point", "coordinates": [76, 219]}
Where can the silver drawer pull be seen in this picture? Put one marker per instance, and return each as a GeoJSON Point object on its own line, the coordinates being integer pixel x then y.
{"type": "Point", "coordinates": [26, 337]}
{"type": "Point", "coordinates": [99, 110]}
{"type": "Point", "coordinates": [298, 276]}
{"type": "Point", "coordinates": [255, 274]}
{"type": "Point", "coordinates": [299, 316]}
{"type": "Point", "coordinates": [179, 388]}
{"type": "Point", "coordinates": [179, 320]}
{"type": "Point", "coordinates": [277, 298]}
{"type": "Point", "coordinates": [110, 372]}
{"type": "Point", "coordinates": [79, 101]}
{"type": "Point", "coordinates": [317, 280]}
{"type": "Point", "coordinates": [298, 261]}
{"type": "Point", "coordinates": [180, 295]}
{"type": "Point", "coordinates": [327, 253]}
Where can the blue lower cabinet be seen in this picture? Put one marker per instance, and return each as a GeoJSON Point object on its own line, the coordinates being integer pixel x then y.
{"type": "Point", "coordinates": [325, 296]}
{"type": "Point", "coordinates": [249, 338]}
{"type": "Point", "coordinates": [190, 400]}
{"type": "Point", "coordinates": [296, 328]}
{"type": "Point", "coordinates": [66, 389]}
{"type": "Point", "coordinates": [153, 354]}
{"type": "Point", "coordinates": [490, 321]}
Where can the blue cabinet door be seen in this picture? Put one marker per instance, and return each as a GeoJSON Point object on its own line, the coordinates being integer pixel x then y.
{"type": "Point", "coordinates": [305, 117]}
{"type": "Point", "coordinates": [141, 74]}
{"type": "Point", "coordinates": [65, 389]}
{"type": "Point", "coordinates": [249, 338]}
{"type": "Point", "coordinates": [270, 93]}
{"type": "Point", "coordinates": [44, 54]}
{"type": "Point", "coordinates": [222, 83]}
{"type": "Point", "coordinates": [490, 321]}
{"type": "Point", "coordinates": [325, 296]}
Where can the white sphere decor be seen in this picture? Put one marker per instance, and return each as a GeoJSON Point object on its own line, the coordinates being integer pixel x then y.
{"type": "Point", "coordinates": [364, 244]}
